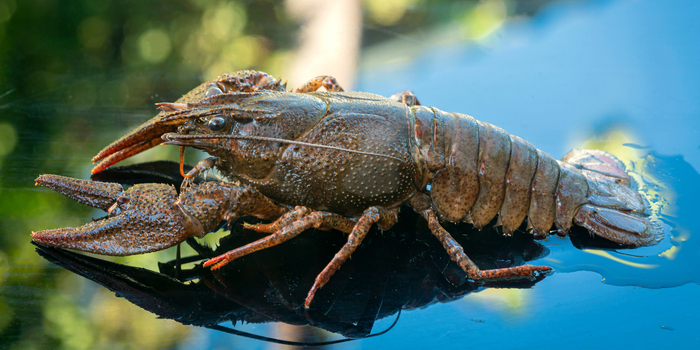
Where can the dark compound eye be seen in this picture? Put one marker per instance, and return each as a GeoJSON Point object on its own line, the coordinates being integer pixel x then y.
{"type": "Point", "coordinates": [216, 124]}
{"type": "Point", "coordinates": [214, 91]}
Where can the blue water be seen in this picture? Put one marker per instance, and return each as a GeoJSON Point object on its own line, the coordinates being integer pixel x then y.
{"type": "Point", "coordinates": [579, 72]}
{"type": "Point", "coordinates": [571, 71]}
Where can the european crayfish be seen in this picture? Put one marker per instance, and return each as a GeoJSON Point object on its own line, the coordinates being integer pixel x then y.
{"type": "Point", "coordinates": [345, 161]}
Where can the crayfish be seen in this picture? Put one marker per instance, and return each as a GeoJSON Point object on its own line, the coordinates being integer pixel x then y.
{"type": "Point", "coordinates": [345, 161]}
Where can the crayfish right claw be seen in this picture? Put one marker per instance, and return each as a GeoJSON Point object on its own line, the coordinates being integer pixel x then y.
{"type": "Point", "coordinates": [149, 134]}
{"type": "Point", "coordinates": [142, 219]}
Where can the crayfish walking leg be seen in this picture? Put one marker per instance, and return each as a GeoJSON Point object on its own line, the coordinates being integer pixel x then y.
{"type": "Point", "coordinates": [456, 253]}
{"type": "Point", "coordinates": [421, 204]}
{"type": "Point", "coordinates": [300, 219]}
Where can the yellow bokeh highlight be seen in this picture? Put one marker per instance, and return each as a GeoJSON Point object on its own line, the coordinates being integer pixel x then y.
{"type": "Point", "coordinates": [484, 18]}
{"type": "Point", "coordinates": [216, 44]}
{"type": "Point", "coordinates": [609, 256]}
{"type": "Point", "coordinates": [66, 322]}
{"type": "Point", "coordinates": [93, 32]}
{"type": "Point", "coordinates": [671, 253]}
{"type": "Point", "coordinates": [387, 12]}
{"type": "Point", "coordinates": [241, 53]}
{"type": "Point", "coordinates": [122, 323]}
{"type": "Point", "coordinates": [614, 141]}
{"type": "Point", "coordinates": [681, 236]}
{"type": "Point", "coordinates": [154, 45]}
{"type": "Point", "coordinates": [223, 21]}
{"type": "Point", "coordinates": [511, 301]}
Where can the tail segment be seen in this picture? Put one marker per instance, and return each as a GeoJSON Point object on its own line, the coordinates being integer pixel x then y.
{"type": "Point", "coordinates": [615, 210]}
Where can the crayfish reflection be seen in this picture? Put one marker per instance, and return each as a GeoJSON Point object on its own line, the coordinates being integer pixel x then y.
{"type": "Point", "coordinates": [404, 268]}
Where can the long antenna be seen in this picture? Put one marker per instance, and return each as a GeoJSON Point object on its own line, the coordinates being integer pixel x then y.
{"type": "Point", "coordinates": [234, 331]}
{"type": "Point", "coordinates": [175, 137]}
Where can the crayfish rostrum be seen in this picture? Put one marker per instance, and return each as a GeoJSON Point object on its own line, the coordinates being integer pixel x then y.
{"type": "Point", "coordinates": [346, 161]}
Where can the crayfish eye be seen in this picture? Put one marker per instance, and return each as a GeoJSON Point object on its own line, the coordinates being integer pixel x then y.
{"type": "Point", "coordinates": [216, 124]}
{"type": "Point", "coordinates": [214, 91]}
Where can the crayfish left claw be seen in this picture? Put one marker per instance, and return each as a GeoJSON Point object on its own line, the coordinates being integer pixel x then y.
{"type": "Point", "coordinates": [142, 219]}
{"type": "Point", "coordinates": [148, 135]}
{"type": "Point", "coordinates": [95, 194]}
{"type": "Point", "coordinates": [138, 140]}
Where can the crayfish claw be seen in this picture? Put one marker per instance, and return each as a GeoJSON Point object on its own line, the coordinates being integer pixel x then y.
{"type": "Point", "coordinates": [95, 194]}
{"type": "Point", "coordinates": [175, 114]}
{"type": "Point", "coordinates": [142, 219]}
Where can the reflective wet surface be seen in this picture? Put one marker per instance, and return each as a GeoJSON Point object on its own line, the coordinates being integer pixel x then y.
{"type": "Point", "coordinates": [614, 75]}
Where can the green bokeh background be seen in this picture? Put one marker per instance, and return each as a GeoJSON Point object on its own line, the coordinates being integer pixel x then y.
{"type": "Point", "coordinates": [75, 75]}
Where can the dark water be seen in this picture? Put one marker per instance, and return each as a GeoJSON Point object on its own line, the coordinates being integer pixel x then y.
{"type": "Point", "coordinates": [615, 75]}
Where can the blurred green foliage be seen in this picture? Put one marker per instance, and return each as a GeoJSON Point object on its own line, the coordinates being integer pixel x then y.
{"type": "Point", "coordinates": [75, 75]}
